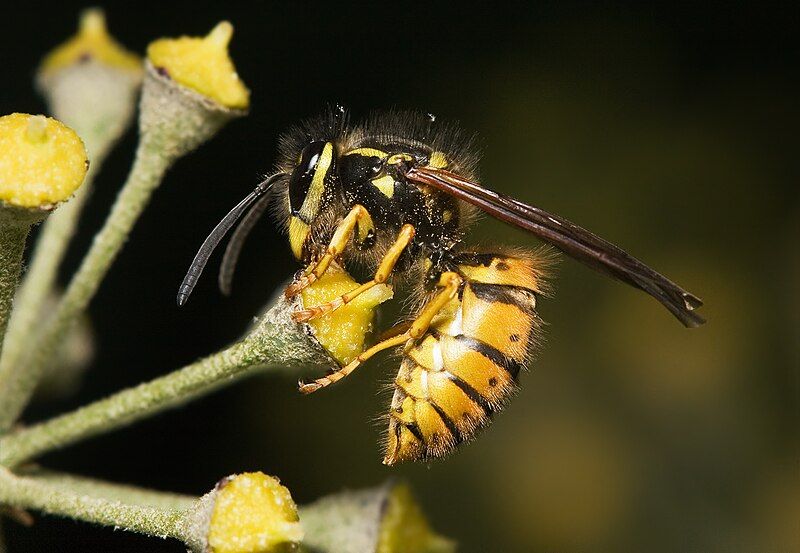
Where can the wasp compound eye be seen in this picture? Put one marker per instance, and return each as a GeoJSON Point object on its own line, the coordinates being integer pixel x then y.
{"type": "Point", "coordinates": [303, 174]}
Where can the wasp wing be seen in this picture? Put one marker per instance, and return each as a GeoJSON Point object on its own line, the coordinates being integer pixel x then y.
{"type": "Point", "coordinates": [568, 237]}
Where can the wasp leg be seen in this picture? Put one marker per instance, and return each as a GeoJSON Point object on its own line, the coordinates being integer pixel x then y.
{"type": "Point", "coordinates": [381, 275]}
{"type": "Point", "coordinates": [338, 243]}
{"type": "Point", "coordinates": [449, 282]}
{"type": "Point", "coordinates": [399, 328]}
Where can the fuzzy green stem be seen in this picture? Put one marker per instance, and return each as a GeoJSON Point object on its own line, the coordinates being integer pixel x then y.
{"type": "Point", "coordinates": [173, 121]}
{"type": "Point", "coordinates": [123, 493]}
{"type": "Point", "coordinates": [30, 493]}
{"type": "Point", "coordinates": [12, 244]}
{"type": "Point", "coordinates": [40, 278]}
{"type": "Point", "coordinates": [276, 342]}
{"type": "Point", "coordinates": [97, 102]}
{"type": "Point", "coordinates": [21, 379]}
{"type": "Point", "coordinates": [15, 224]}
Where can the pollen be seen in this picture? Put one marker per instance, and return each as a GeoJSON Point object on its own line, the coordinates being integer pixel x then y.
{"type": "Point", "coordinates": [42, 161]}
{"type": "Point", "coordinates": [203, 65]}
{"type": "Point", "coordinates": [253, 513]}
{"type": "Point", "coordinates": [343, 332]}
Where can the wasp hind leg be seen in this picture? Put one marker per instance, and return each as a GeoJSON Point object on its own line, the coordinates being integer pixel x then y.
{"type": "Point", "coordinates": [358, 216]}
{"type": "Point", "coordinates": [449, 284]}
{"type": "Point", "coordinates": [388, 263]}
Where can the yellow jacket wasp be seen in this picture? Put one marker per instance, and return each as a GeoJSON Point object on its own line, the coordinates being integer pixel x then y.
{"type": "Point", "coordinates": [396, 194]}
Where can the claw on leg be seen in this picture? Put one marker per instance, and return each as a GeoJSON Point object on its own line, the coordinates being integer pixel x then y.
{"type": "Point", "coordinates": [300, 284]}
{"type": "Point", "coordinates": [307, 388]}
{"type": "Point", "coordinates": [305, 315]}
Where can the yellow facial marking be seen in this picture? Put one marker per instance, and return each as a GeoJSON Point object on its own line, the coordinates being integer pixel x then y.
{"type": "Point", "coordinates": [313, 201]}
{"type": "Point", "coordinates": [447, 215]}
{"type": "Point", "coordinates": [398, 158]}
{"type": "Point", "coordinates": [438, 161]}
{"type": "Point", "coordinates": [385, 184]}
{"type": "Point", "coordinates": [298, 234]}
{"type": "Point", "coordinates": [366, 152]}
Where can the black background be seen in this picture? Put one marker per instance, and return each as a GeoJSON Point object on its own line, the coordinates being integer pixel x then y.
{"type": "Point", "coordinates": [668, 128]}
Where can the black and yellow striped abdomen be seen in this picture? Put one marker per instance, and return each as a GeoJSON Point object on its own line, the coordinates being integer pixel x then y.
{"type": "Point", "coordinates": [453, 378]}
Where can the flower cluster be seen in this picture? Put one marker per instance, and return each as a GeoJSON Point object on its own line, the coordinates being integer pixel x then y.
{"type": "Point", "coordinates": [187, 89]}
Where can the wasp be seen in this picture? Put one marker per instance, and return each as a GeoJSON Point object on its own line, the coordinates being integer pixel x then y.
{"type": "Point", "coordinates": [395, 194]}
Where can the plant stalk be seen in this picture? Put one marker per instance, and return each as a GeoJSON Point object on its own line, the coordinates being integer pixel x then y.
{"type": "Point", "coordinates": [40, 278]}
{"type": "Point", "coordinates": [30, 493]}
{"type": "Point", "coordinates": [123, 493]}
{"type": "Point", "coordinates": [15, 224]}
{"type": "Point", "coordinates": [21, 379]}
{"type": "Point", "coordinates": [12, 244]}
{"type": "Point", "coordinates": [275, 342]}
{"type": "Point", "coordinates": [173, 121]}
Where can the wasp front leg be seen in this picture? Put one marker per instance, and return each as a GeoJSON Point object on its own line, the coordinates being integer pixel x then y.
{"type": "Point", "coordinates": [449, 283]}
{"type": "Point", "coordinates": [385, 269]}
{"type": "Point", "coordinates": [357, 217]}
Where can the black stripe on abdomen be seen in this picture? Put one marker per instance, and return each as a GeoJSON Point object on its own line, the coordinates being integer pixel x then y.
{"type": "Point", "coordinates": [491, 353]}
{"type": "Point", "coordinates": [448, 422]}
{"type": "Point", "coordinates": [520, 297]}
{"type": "Point", "coordinates": [471, 393]}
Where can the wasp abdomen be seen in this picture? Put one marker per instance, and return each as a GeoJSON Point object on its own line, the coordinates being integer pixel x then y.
{"type": "Point", "coordinates": [465, 367]}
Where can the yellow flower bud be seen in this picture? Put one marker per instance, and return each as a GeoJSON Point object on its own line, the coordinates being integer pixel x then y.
{"type": "Point", "coordinates": [42, 161]}
{"type": "Point", "coordinates": [406, 530]}
{"type": "Point", "coordinates": [92, 43]}
{"type": "Point", "coordinates": [253, 513]}
{"type": "Point", "coordinates": [202, 64]}
{"type": "Point", "coordinates": [343, 331]}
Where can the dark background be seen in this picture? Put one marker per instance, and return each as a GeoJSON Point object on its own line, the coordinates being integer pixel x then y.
{"type": "Point", "coordinates": [669, 129]}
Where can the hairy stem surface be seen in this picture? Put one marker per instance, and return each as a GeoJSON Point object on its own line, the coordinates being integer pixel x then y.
{"type": "Point", "coordinates": [23, 377]}
{"type": "Point", "coordinates": [274, 343]}
{"type": "Point", "coordinates": [55, 499]}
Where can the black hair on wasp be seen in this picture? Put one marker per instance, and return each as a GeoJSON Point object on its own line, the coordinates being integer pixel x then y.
{"type": "Point", "coordinates": [396, 170]}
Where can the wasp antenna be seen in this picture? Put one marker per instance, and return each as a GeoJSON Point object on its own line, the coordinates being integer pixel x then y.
{"type": "Point", "coordinates": [234, 248]}
{"type": "Point", "coordinates": [216, 235]}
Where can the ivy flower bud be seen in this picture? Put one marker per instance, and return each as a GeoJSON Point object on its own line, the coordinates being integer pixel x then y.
{"type": "Point", "coordinates": [248, 513]}
{"type": "Point", "coordinates": [405, 528]}
{"type": "Point", "coordinates": [91, 82]}
{"type": "Point", "coordinates": [42, 161]}
{"type": "Point", "coordinates": [191, 90]}
{"type": "Point", "coordinates": [91, 43]}
{"type": "Point", "coordinates": [342, 332]}
{"type": "Point", "coordinates": [385, 519]}
{"type": "Point", "coordinates": [203, 65]}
